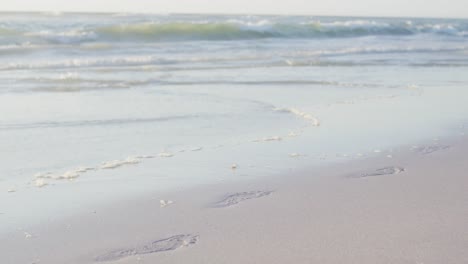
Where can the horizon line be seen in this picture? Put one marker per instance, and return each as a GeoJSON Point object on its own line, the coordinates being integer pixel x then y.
{"type": "Point", "coordinates": [225, 14]}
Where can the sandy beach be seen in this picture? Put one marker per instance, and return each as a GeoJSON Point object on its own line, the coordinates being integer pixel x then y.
{"type": "Point", "coordinates": [232, 138]}
{"type": "Point", "coordinates": [411, 207]}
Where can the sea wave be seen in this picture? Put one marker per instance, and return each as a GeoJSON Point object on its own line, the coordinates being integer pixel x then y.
{"type": "Point", "coordinates": [64, 37]}
{"type": "Point", "coordinates": [88, 62]}
{"type": "Point", "coordinates": [106, 122]}
{"type": "Point", "coordinates": [182, 31]}
{"type": "Point", "coordinates": [235, 30]}
{"type": "Point", "coordinates": [159, 63]}
{"type": "Point", "coordinates": [5, 31]}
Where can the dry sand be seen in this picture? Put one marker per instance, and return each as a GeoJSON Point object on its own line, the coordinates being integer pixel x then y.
{"type": "Point", "coordinates": [411, 208]}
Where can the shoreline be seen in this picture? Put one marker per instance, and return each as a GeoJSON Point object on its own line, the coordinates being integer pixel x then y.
{"type": "Point", "coordinates": [409, 208]}
{"type": "Point", "coordinates": [232, 139]}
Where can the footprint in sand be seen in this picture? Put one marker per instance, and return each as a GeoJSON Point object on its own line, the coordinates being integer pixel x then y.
{"type": "Point", "coordinates": [381, 172]}
{"type": "Point", "coordinates": [236, 198]}
{"type": "Point", "coordinates": [424, 150]}
{"type": "Point", "coordinates": [167, 244]}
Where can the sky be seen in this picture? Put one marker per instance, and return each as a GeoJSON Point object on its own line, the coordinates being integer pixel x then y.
{"type": "Point", "coordinates": [408, 8]}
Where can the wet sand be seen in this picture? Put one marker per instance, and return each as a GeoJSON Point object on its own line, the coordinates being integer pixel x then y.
{"type": "Point", "coordinates": [411, 207]}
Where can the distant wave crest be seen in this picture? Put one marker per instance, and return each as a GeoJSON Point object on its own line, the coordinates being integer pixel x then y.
{"type": "Point", "coordinates": [236, 30]}
{"type": "Point", "coordinates": [183, 31]}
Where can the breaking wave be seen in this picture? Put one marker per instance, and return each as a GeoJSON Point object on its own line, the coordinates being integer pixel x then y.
{"type": "Point", "coordinates": [265, 29]}
{"type": "Point", "coordinates": [234, 30]}
{"type": "Point", "coordinates": [308, 58]}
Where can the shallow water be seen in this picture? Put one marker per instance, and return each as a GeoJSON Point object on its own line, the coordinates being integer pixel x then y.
{"type": "Point", "coordinates": [95, 108]}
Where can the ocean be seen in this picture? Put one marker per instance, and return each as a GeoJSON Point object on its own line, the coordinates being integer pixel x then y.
{"type": "Point", "coordinates": [95, 108]}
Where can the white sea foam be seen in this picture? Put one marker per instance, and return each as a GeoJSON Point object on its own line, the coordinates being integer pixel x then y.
{"type": "Point", "coordinates": [196, 149]}
{"type": "Point", "coordinates": [306, 116]}
{"type": "Point", "coordinates": [165, 155]}
{"type": "Point", "coordinates": [84, 169]}
{"type": "Point", "coordinates": [275, 138]}
{"type": "Point", "coordinates": [144, 157]}
{"type": "Point", "coordinates": [119, 163]}
{"type": "Point", "coordinates": [40, 178]}
{"type": "Point", "coordinates": [266, 139]}
{"type": "Point", "coordinates": [295, 155]}
{"type": "Point", "coordinates": [40, 183]}
{"type": "Point", "coordinates": [68, 175]}
{"type": "Point", "coordinates": [64, 37]}
{"type": "Point", "coordinates": [73, 174]}
{"type": "Point", "coordinates": [43, 175]}
{"type": "Point", "coordinates": [69, 76]}
{"type": "Point", "coordinates": [79, 62]}
{"type": "Point", "coordinates": [293, 134]}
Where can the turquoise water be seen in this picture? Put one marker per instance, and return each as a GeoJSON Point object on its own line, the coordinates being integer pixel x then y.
{"type": "Point", "coordinates": [100, 107]}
